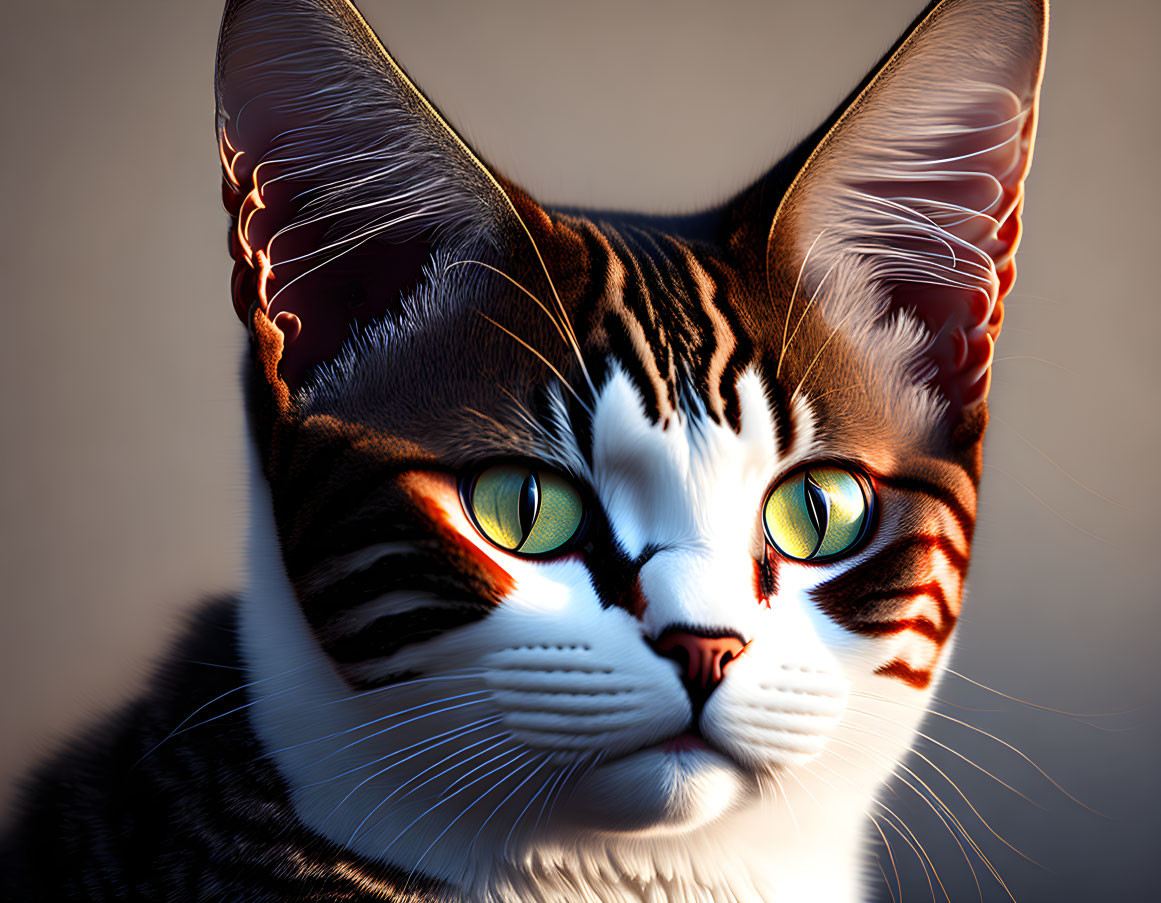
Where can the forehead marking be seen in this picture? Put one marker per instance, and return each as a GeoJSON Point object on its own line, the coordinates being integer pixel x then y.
{"type": "Point", "coordinates": [693, 482]}
{"type": "Point", "coordinates": [723, 337]}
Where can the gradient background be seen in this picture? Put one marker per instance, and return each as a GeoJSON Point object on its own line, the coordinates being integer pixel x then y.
{"type": "Point", "coordinates": [121, 477]}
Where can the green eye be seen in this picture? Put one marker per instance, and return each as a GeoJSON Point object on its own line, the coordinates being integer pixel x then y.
{"type": "Point", "coordinates": [524, 510]}
{"type": "Point", "coordinates": [818, 513]}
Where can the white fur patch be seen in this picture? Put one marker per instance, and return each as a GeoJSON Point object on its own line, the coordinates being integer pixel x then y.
{"type": "Point", "coordinates": [524, 762]}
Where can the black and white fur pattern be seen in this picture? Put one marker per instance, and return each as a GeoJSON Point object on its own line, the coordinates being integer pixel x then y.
{"type": "Point", "coordinates": [545, 786]}
{"type": "Point", "coordinates": [456, 723]}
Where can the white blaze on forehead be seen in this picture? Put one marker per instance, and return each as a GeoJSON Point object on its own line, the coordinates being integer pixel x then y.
{"type": "Point", "coordinates": [693, 482]}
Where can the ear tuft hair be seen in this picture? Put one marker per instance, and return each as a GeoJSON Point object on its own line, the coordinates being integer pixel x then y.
{"type": "Point", "coordinates": [341, 178]}
{"type": "Point", "coordinates": [911, 202]}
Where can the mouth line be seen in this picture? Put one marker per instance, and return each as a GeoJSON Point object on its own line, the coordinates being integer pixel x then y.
{"type": "Point", "coordinates": [686, 741]}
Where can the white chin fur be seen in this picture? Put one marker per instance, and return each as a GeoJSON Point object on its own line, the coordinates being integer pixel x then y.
{"type": "Point", "coordinates": [658, 792]}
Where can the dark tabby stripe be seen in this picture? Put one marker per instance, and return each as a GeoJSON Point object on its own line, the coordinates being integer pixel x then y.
{"type": "Point", "coordinates": [946, 497]}
{"type": "Point", "coordinates": [424, 557]}
{"type": "Point", "coordinates": [937, 632]}
{"type": "Point", "coordinates": [390, 633]}
{"type": "Point", "coordinates": [919, 678]}
{"type": "Point", "coordinates": [664, 307]}
{"type": "Point", "coordinates": [157, 818]}
{"type": "Point", "coordinates": [855, 597]}
{"type": "Point", "coordinates": [779, 401]}
{"type": "Point", "coordinates": [867, 598]}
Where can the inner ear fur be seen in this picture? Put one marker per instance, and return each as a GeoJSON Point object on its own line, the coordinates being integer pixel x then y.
{"type": "Point", "coordinates": [341, 179]}
{"type": "Point", "coordinates": [910, 204]}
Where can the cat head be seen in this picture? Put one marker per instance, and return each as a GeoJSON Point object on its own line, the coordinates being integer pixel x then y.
{"type": "Point", "coordinates": [673, 509]}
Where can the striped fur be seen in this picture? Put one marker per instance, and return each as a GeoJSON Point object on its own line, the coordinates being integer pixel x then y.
{"type": "Point", "coordinates": [485, 726]}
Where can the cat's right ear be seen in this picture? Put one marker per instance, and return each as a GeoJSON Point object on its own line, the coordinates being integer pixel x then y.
{"type": "Point", "coordinates": [341, 178]}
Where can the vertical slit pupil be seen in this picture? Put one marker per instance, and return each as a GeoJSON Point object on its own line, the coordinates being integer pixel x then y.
{"type": "Point", "coordinates": [818, 507]}
{"type": "Point", "coordinates": [529, 504]}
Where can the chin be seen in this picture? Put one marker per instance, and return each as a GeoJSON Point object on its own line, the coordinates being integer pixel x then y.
{"type": "Point", "coordinates": [670, 788]}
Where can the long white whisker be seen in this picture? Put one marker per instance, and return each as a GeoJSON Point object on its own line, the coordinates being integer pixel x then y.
{"type": "Point", "coordinates": [984, 733]}
{"type": "Point", "coordinates": [500, 739]}
{"type": "Point", "coordinates": [425, 745]}
{"type": "Point", "coordinates": [392, 727]}
{"type": "Point", "coordinates": [543, 761]}
{"type": "Point", "coordinates": [465, 811]}
{"type": "Point", "coordinates": [205, 705]}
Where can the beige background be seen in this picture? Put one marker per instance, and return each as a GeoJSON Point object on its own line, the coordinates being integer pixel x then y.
{"type": "Point", "coordinates": [121, 485]}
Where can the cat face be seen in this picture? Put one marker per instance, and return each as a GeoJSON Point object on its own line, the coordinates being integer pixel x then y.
{"type": "Point", "coordinates": [601, 526]}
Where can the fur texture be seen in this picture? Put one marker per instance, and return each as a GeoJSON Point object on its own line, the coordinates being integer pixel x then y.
{"type": "Point", "coordinates": [417, 711]}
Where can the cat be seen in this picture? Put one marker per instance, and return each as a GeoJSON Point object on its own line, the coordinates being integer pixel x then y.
{"type": "Point", "coordinates": [592, 556]}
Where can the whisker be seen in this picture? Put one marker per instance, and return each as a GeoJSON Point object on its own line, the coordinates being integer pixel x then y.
{"type": "Point", "coordinates": [514, 771]}
{"type": "Point", "coordinates": [383, 802]}
{"type": "Point", "coordinates": [544, 361]}
{"type": "Point", "coordinates": [443, 799]}
{"type": "Point", "coordinates": [561, 779]}
{"type": "Point", "coordinates": [565, 337]}
{"type": "Point", "coordinates": [501, 738]}
{"type": "Point", "coordinates": [1048, 506]}
{"type": "Point", "coordinates": [548, 277]}
{"type": "Point", "coordinates": [194, 661]}
{"type": "Point", "coordinates": [809, 304]}
{"type": "Point", "coordinates": [177, 733]}
{"type": "Point", "coordinates": [425, 745]}
{"type": "Point", "coordinates": [1100, 495]}
{"type": "Point", "coordinates": [891, 858]}
{"type": "Point", "coordinates": [592, 762]}
{"type": "Point", "coordinates": [955, 787]}
{"type": "Point", "coordinates": [951, 815]}
{"type": "Point", "coordinates": [457, 674]}
{"type": "Point", "coordinates": [818, 353]}
{"type": "Point", "coordinates": [544, 757]}
{"type": "Point", "coordinates": [819, 397]}
{"type": "Point", "coordinates": [1034, 705]}
{"type": "Point", "coordinates": [917, 848]}
{"type": "Point", "coordinates": [805, 789]}
{"type": "Point", "coordinates": [956, 753]}
{"type": "Point", "coordinates": [793, 295]}
{"type": "Point", "coordinates": [391, 727]}
{"type": "Point", "coordinates": [446, 793]}
{"type": "Point", "coordinates": [532, 799]}
{"type": "Point", "coordinates": [868, 750]}
{"type": "Point", "coordinates": [984, 733]}
{"type": "Point", "coordinates": [426, 748]}
{"type": "Point", "coordinates": [205, 705]}
{"type": "Point", "coordinates": [789, 807]}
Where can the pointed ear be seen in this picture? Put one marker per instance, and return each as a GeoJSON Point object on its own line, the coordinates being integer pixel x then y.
{"type": "Point", "coordinates": [341, 178]}
{"type": "Point", "coordinates": [910, 205]}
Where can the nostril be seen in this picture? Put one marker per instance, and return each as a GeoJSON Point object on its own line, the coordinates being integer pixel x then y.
{"type": "Point", "coordinates": [703, 657]}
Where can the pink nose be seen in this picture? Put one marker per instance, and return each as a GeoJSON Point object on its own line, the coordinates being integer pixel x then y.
{"type": "Point", "coordinates": [703, 658]}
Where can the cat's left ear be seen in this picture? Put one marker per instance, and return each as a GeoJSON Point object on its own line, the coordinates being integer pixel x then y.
{"type": "Point", "coordinates": [911, 201]}
{"type": "Point", "coordinates": [343, 181]}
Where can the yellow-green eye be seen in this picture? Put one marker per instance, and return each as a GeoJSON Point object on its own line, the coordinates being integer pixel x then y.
{"type": "Point", "coordinates": [522, 509]}
{"type": "Point", "coordinates": [818, 513]}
